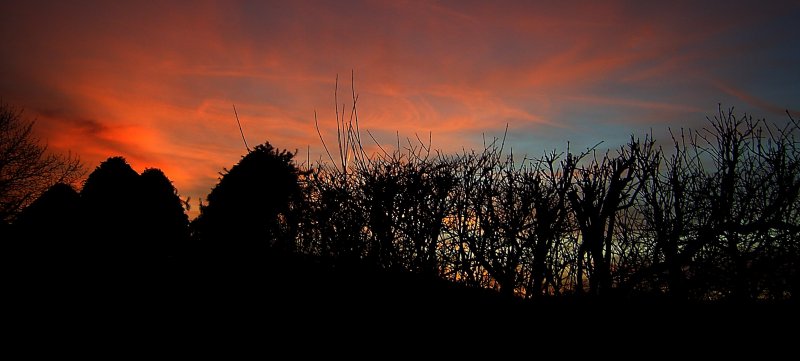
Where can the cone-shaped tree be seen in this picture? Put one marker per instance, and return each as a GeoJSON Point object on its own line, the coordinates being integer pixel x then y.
{"type": "Point", "coordinates": [46, 227]}
{"type": "Point", "coordinates": [132, 217]}
{"type": "Point", "coordinates": [110, 203]}
{"type": "Point", "coordinates": [165, 225]}
{"type": "Point", "coordinates": [250, 209]}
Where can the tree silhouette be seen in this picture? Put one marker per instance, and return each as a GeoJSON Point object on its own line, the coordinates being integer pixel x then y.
{"type": "Point", "coordinates": [715, 218]}
{"type": "Point", "coordinates": [110, 202]}
{"type": "Point", "coordinates": [26, 167]}
{"type": "Point", "coordinates": [164, 222]}
{"type": "Point", "coordinates": [405, 203]}
{"type": "Point", "coordinates": [252, 208]}
{"type": "Point", "coordinates": [333, 221]}
{"type": "Point", "coordinates": [132, 217]}
{"type": "Point", "coordinates": [746, 246]}
{"type": "Point", "coordinates": [503, 208]}
{"type": "Point", "coordinates": [549, 183]}
{"type": "Point", "coordinates": [46, 228]}
{"type": "Point", "coordinates": [601, 190]}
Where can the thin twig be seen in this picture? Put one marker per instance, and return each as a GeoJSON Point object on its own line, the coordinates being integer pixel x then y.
{"type": "Point", "coordinates": [240, 128]}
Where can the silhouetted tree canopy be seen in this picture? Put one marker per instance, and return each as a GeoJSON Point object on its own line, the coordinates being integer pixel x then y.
{"type": "Point", "coordinates": [47, 227]}
{"type": "Point", "coordinates": [56, 204]}
{"type": "Point", "coordinates": [165, 224]}
{"type": "Point", "coordinates": [251, 208]}
{"type": "Point", "coordinates": [132, 216]}
{"type": "Point", "coordinates": [26, 167]}
{"type": "Point", "coordinates": [109, 201]}
{"type": "Point", "coordinates": [713, 215]}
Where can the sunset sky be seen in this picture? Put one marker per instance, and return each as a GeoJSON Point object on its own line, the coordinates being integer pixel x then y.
{"type": "Point", "coordinates": [154, 81]}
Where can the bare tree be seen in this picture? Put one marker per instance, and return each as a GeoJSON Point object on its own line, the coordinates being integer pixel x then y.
{"type": "Point", "coordinates": [719, 213]}
{"type": "Point", "coordinates": [714, 217]}
{"type": "Point", "coordinates": [750, 186]}
{"type": "Point", "coordinates": [667, 213]}
{"type": "Point", "coordinates": [27, 168]}
{"type": "Point", "coordinates": [503, 207]}
{"type": "Point", "coordinates": [602, 189]}
{"type": "Point", "coordinates": [549, 184]}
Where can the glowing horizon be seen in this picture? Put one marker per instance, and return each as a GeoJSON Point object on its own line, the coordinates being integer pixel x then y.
{"type": "Point", "coordinates": [155, 83]}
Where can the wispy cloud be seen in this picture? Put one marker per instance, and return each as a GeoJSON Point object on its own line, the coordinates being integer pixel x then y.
{"type": "Point", "coordinates": [757, 102]}
{"type": "Point", "coordinates": [155, 82]}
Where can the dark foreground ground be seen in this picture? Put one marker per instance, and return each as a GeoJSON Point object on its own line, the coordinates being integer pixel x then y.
{"type": "Point", "coordinates": [294, 298]}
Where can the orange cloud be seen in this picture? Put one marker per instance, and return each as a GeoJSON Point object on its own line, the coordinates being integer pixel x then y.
{"type": "Point", "coordinates": [155, 82]}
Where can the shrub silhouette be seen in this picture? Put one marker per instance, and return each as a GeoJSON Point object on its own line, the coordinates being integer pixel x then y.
{"type": "Point", "coordinates": [109, 203]}
{"type": "Point", "coordinates": [251, 209]}
{"type": "Point", "coordinates": [713, 218]}
{"type": "Point", "coordinates": [165, 224]}
{"type": "Point", "coordinates": [46, 228]}
{"type": "Point", "coordinates": [131, 217]}
{"type": "Point", "coordinates": [27, 168]}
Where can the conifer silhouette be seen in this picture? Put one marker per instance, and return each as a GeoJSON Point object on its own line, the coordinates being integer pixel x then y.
{"type": "Point", "coordinates": [251, 209]}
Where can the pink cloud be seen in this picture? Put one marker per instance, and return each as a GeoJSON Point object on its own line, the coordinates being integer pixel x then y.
{"type": "Point", "coordinates": [155, 82]}
{"type": "Point", "coordinates": [753, 100]}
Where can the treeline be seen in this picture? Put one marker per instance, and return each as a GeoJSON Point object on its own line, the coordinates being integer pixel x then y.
{"type": "Point", "coordinates": [713, 214]}
{"type": "Point", "coordinates": [120, 219]}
